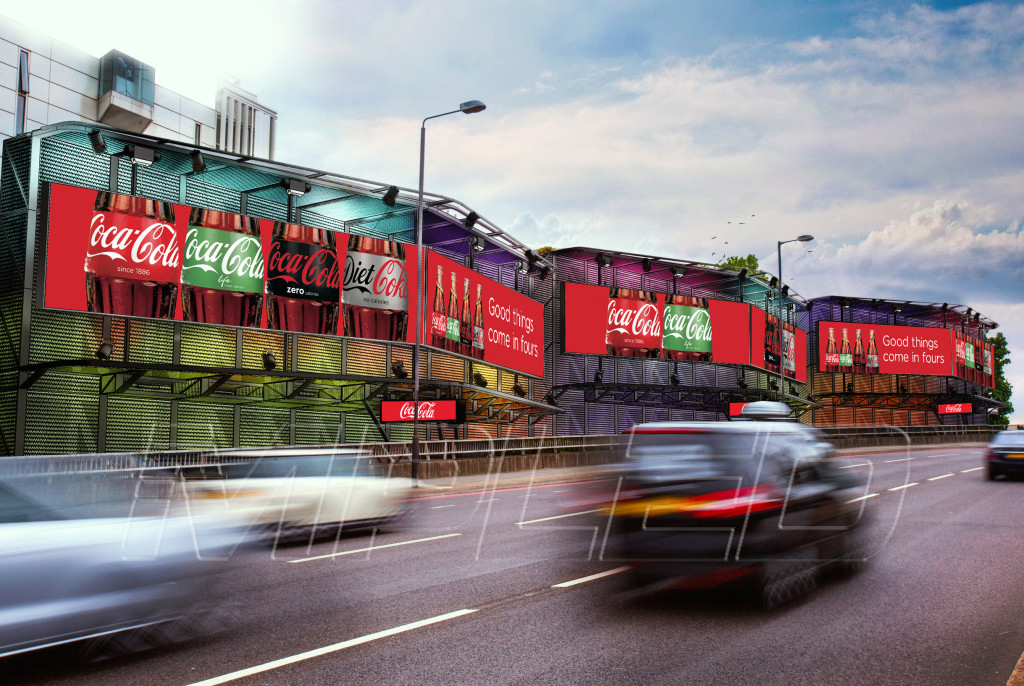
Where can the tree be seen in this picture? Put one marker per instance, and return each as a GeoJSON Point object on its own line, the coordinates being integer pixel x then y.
{"type": "Point", "coordinates": [1003, 389]}
{"type": "Point", "coordinates": [737, 263]}
{"type": "Point", "coordinates": [545, 250]}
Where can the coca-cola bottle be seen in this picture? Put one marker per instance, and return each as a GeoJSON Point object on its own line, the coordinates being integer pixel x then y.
{"type": "Point", "coordinates": [222, 269]}
{"type": "Point", "coordinates": [872, 356]}
{"type": "Point", "coordinates": [376, 298]}
{"type": "Point", "coordinates": [438, 319]}
{"type": "Point", "coordinates": [859, 358]}
{"type": "Point", "coordinates": [687, 329]}
{"type": "Point", "coordinates": [303, 280]}
{"type": "Point", "coordinates": [133, 260]}
{"type": "Point", "coordinates": [772, 343]}
{"type": "Point", "coordinates": [634, 325]}
{"type": "Point", "coordinates": [845, 354]}
{"type": "Point", "coordinates": [478, 325]}
{"type": "Point", "coordinates": [465, 323]}
{"type": "Point", "coordinates": [831, 352]}
{"type": "Point", "coordinates": [452, 331]}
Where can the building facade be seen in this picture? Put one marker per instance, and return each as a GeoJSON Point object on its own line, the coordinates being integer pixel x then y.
{"type": "Point", "coordinates": [45, 81]}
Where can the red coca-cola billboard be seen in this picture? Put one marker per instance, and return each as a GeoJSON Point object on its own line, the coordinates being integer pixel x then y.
{"type": "Point", "coordinates": [471, 315]}
{"type": "Point", "coordinates": [430, 411]}
{"type": "Point", "coordinates": [598, 320]}
{"type": "Point", "coordinates": [955, 408]}
{"type": "Point", "coordinates": [769, 340]}
{"type": "Point", "coordinates": [850, 348]}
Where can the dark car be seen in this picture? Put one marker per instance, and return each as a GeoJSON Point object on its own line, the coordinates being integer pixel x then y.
{"type": "Point", "coordinates": [748, 503]}
{"type": "Point", "coordinates": [1005, 454]}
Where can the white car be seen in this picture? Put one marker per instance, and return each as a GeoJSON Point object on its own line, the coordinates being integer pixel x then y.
{"type": "Point", "coordinates": [289, 493]}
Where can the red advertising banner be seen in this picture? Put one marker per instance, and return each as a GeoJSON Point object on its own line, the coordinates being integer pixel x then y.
{"type": "Point", "coordinates": [766, 345]}
{"type": "Point", "coordinates": [736, 409]}
{"type": "Point", "coordinates": [883, 349]}
{"type": "Point", "coordinates": [138, 257]}
{"type": "Point", "coordinates": [973, 359]}
{"type": "Point", "coordinates": [474, 316]}
{"type": "Point", "coordinates": [731, 342]}
{"type": "Point", "coordinates": [955, 408]}
{"type": "Point", "coordinates": [430, 410]}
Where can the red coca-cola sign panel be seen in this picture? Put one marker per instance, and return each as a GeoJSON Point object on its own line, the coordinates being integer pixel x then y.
{"type": "Point", "coordinates": [736, 409]}
{"type": "Point", "coordinates": [955, 408]}
{"type": "Point", "coordinates": [430, 410]}
{"type": "Point", "coordinates": [851, 348]}
{"type": "Point", "coordinates": [775, 346]}
{"type": "Point", "coordinates": [471, 315]}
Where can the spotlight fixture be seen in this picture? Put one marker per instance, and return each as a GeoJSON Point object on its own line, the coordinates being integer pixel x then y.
{"type": "Point", "coordinates": [785, 290]}
{"type": "Point", "coordinates": [897, 309]}
{"type": "Point", "coordinates": [398, 370]}
{"type": "Point", "coordinates": [846, 303]}
{"type": "Point", "coordinates": [522, 267]}
{"type": "Point", "coordinates": [477, 243]}
{"type": "Point", "coordinates": [545, 272]}
{"type": "Point", "coordinates": [674, 379]}
{"type": "Point", "coordinates": [198, 163]}
{"type": "Point", "coordinates": [599, 375]}
{"type": "Point", "coordinates": [479, 379]}
{"type": "Point", "coordinates": [945, 306]}
{"type": "Point", "coordinates": [602, 260]}
{"type": "Point", "coordinates": [549, 399]}
{"type": "Point", "coordinates": [98, 144]}
{"type": "Point", "coordinates": [741, 382]}
{"type": "Point", "coordinates": [105, 350]}
{"type": "Point", "coordinates": [977, 317]}
{"type": "Point", "coordinates": [773, 282]}
{"type": "Point", "coordinates": [140, 155]}
{"type": "Point", "coordinates": [773, 384]}
{"type": "Point", "coordinates": [295, 187]}
{"type": "Point", "coordinates": [849, 388]}
{"type": "Point", "coordinates": [646, 264]}
{"type": "Point", "coordinates": [742, 274]}
{"type": "Point", "coordinates": [269, 362]}
{"type": "Point", "coordinates": [470, 220]}
{"type": "Point", "coordinates": [792, 390]}
{"type": "Point", "coordinates": [532, 256]}
{"type": "Point", "coordinates": [677, 272]}
{"type": "Point", "coordinates": [969, 310]}
{"type": "Point", "coordinates": [390, 197]}
{"type": "Point", "coordinates": [518, 389]}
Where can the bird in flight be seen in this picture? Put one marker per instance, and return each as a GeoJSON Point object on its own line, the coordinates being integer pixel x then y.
{"type": "Point", "coordinates": [742, 222]}
{"type": "Point", "coordinates": [714, 237]}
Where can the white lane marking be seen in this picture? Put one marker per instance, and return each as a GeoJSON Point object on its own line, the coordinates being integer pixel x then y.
{"type": "Point", "coordinates": [902, 459]}
{"type": "Point", "coordinates": [375, 547]}
{"type": "Point", "coordinates": [964, 471]}
{"type": "Point", "coordinates": [561, 491]}
{"type": "Point", "coordinates": [592, 577]}
{"type": "Point", "coordinates": [548, 519]}
{"type": "Point", "coordinates": [267, 666]}
{"type": "Point", "coordinates": [436, 488]}
{"type": "Point", "coordinates": [440, 507]}
{"type": "Point", "coordinates": [900, 488]}
{"type": "Point", "coordinates": [851, 466]}
{"type": "Point", "coordinates": [863, 497]}
{"type": "Point", "coordinates": [944, 454]}
{"type": "Point", "coordinates": [936, 478]}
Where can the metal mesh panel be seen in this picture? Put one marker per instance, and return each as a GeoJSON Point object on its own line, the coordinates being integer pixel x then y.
{"type": "Point", "coordinates": [158, 184]}
{"type": "Point", "coordinates": [137, 424]}
{"type": "Point", "coordinates": [319, 354]}
{"type": "Point", "coordinates": [629, 415]}
{"type": "Point", "coordinates": [656, 414]}
{"type": "Point", "coordinates": [210, 346]}
{"type": "Point", "coordinates": [255, 343]}
{"type": "Point", "coordinates": [150, 341]}
{"type": "Point", "coordinates": [446, 367]}
{"type": "Point", "coordinates": [318, 428]}
{"type": "Point", "coordinates": [262, 426]}
{"type": "Point", "coordinates": [61, 415]}
{"type": "Point", "coordinates": [359, 428]}
{"type": "Point", "coordinates": [628, 370]}
{"type": "Point", "coordinates": [268, 209]}
{"type": "Point", "coordinates": [366, 358]}
{"type": "Point", "coordinates": [7, 415]}
{"type": "Point", "coordinates": [570, 369]}
{"type": "Point", "coordinates": [600, 418]}
{"type": "Point", "coordinates": [200, 193]}
{"type": "Point", "coordinates": [403, 354]}
{"type": "Point", "coordinates": [204, 425]}
{"type": "Point", "coordinates": [490, 374]}
{"type": "Point", "coordinates": [64, 336]}
{"type": "Point", "coordinates": [69, 159]}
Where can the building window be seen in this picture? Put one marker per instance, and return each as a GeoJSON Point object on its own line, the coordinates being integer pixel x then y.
{"type": "Point", "coordinates": [19, 117]}
{"type": "Point", "coordinates": [199, 132]}
{"type": "Point", "coordinates": [217, 144]}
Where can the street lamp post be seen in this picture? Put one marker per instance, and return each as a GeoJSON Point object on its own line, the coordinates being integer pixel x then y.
{"type": "Point", "coordinates": [782, 360]}
{"type": "Point", "coordinates": [471, 107]}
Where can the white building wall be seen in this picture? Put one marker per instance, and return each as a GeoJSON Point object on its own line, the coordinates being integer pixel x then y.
{"type": "Point", "coordinates": [64, 86]}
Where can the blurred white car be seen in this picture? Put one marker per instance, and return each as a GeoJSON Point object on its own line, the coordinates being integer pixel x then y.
{"type": "Point", "coordinates": [95, 559]}
{"type": "Point", "coordinates": [288, 493]}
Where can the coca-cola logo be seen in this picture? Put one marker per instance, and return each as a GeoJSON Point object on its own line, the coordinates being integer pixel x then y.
{"type": "Point", "coordinates": [638, 321]}
{"type": "Point", "coordinates": [153, 245]}
{"type": "Point", "coordinates": [318, 268]}
{"type": "Point", "coordinates": [386, 279]}
{"type": "Point", "coordinates": [692, 326]}
{"type": "Point", "coordinates": [426, 410]}
{"type": "Point", "coordinates": [224, 253]}
{"type": "Point", "coordinates": [832, 358]}
{"type": "Point", "coordinates": [429, 410]}
{"type": "Point", "coordinates": [953, 409]}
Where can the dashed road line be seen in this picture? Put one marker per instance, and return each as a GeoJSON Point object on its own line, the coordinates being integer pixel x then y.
{"type": "Point", "coordinates": [900, 488]}
{"type": "Point", "coordinates": [372, 548]}
{"type": "Point", "coordinates": [964, 471]}
{"type": "Point", "coordinates": [943, 476]}
{"type": "Point", "coordinates": [440, 507]}
{"type": "Point", "coordinates": [851, 466]}
{"type": "Point", "coordinates": [863, 497]}
{"type": "Point", "coordinates": [548, 519]}
{"type": "Point", "coordinates": [902, 459]}
{"type": "Point", "coordinates": [309, 654]}
{"type": "Point", "coordinates": [592, 577]}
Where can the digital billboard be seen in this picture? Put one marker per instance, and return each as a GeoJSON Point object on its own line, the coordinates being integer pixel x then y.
{"type": "Point", "coordinates": [602, 320]}
{"type": "Point", "coordinates": [138, 257]}
{"type": "Point", "coordinates": [766, 345]}
{"type": "Point", "coordinates": [973, 359]}
{"type": "Point", "coordinates": [883, 349]}
{"type": "Point", "coordinates": [476, 317]}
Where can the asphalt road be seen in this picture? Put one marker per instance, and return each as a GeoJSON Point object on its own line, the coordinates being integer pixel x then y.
{"type": "Point", "coordinates": [467, 595]}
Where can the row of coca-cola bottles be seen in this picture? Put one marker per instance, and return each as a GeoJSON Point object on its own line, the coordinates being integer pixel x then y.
{"type": "Point", "coordinates": [973, 359]}
{"type": "Point", "coordinates": [456, 328]}
{"type": "Point", "coordinates": [842, 358]}
{"type": "Point", "coordinates": [133, 268]}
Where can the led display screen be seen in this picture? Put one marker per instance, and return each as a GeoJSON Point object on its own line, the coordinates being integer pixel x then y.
{"type": "Point", "coordinates": [955, 408]}
{"type": "Point", "coordinates": [430, 411]}
{"type": "Point", "coordinates": [883, 349]}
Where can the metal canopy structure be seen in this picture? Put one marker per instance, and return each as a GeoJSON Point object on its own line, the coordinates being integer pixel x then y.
{"type": "Point", "coordinates": [947, 315]}
{"type": "Point", "coordinates": [907, 401]}
{"type": "Point", "coordinates": [676, 397]}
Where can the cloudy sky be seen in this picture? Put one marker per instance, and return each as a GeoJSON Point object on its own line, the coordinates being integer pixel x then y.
{"type": "Point", "coordinates": [891, 131]}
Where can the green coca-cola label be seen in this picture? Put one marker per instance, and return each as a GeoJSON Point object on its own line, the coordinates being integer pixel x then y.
{"type": "Point", "coordinates": [686, 329]}
{"type": "Point", "coordinates": [452, 334]}
{"type": "Point", "coordinates": [970, 355]}
{"type": "Point", "coordinates": [222, 259]}
{"type": "Point", "coordinates": [846, 360]}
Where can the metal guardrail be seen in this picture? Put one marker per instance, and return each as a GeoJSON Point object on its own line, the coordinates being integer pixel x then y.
{"type": "Point", "coordinates": [154, 462]}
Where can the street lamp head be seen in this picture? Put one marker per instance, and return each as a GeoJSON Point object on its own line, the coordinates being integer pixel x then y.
{"type": "Point", "coordinates": [805, 238]}
{"type": "Point", "coordinates": [472, 107]}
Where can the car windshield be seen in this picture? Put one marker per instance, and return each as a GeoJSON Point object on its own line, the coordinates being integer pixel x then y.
{"type": "Point", "coordinates": [1009, 438]}
{"type": "Point", "coordinates": [697, 454]}
{"type": "Point", "coordinates": [273, 467]}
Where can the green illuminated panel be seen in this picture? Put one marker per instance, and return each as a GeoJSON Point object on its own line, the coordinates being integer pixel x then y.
{"type": "Point", "coordinates": [208, 346]}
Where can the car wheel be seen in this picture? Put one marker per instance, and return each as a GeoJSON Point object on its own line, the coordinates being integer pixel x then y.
{"type": "Point", "coordinates": [851, 557]}
{"type": "Point", "coordinates": [791, 577]}
{"type": "Point", "coordinates": [991, 474]}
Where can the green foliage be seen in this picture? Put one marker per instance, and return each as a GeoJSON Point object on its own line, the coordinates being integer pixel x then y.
{"type": "Point", "coordinates": [545, 250]}
{"type": "Point", "coordinates": [737, 263]}
{"type": "Point", "coordinates": [1003, 389]}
